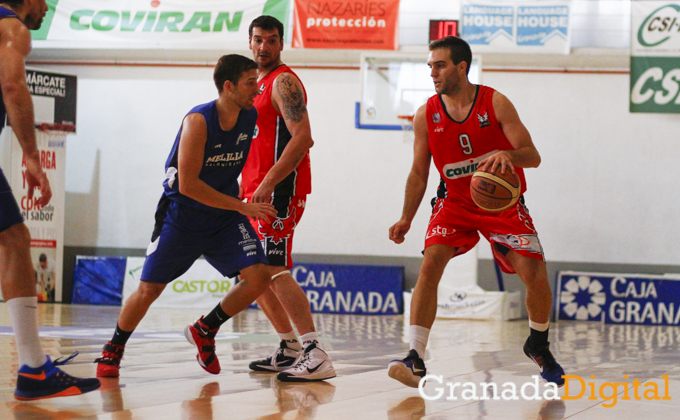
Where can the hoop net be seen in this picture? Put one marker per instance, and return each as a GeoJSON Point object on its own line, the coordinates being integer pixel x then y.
{"type": "Point", "coordinates": [407, 127]}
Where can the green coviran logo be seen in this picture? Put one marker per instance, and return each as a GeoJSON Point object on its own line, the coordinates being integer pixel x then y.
{"type": "Point", "coordinates": [153, 21]}
{"type": "Point", "coordinates": [660, 26]}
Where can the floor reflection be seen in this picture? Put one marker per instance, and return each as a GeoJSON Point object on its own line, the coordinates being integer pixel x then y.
{"type": "Point", "coordinates": [302, 398]}
{"type": "Point", "coordinates": [201, 408]}
{"type": "Point", "coordinates": [411, 408]}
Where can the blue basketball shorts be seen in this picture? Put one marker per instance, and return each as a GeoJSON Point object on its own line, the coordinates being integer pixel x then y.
{"type": "Point", "coordinates": [225, 238]}
{"type": "Point", "coordinates": [9, 209]}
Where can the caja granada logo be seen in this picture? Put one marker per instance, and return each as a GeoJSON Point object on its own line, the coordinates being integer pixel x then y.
{"type": "Point", "coordinates": [660, 26]}
{"type": "Point", "coordinates": [583, 298]}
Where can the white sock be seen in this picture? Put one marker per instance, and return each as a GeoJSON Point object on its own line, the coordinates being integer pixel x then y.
{"type": "Point", "coordinates": [291, 340]}
{"type": "Point", "coordinates": [23, 312]}
{"type": "Point", "coordinates": [418, 337]}
{"type": "Point", "coordinates": [309, 338]}
{"type": "Point", "coordinates": [539, 327]}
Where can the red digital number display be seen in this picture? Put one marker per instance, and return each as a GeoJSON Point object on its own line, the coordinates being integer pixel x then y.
{"type": "Point", "coordinates": [441, 28]}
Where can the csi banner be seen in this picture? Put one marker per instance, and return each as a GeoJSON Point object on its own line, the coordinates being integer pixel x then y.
{"type": "Point", "coordinates": [517, 26]}
{"type": "Point", "coordinates": [618, 298]}
{"type": "Point", "coordinates": [368, 25]}
{"type": "Point", "coordinates": [171, 24]}
{"type": "Point", "coordinates": [655, 57]}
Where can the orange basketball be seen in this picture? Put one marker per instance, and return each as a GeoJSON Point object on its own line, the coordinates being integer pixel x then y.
{"type": "Point", "coordinates": [495, 192]}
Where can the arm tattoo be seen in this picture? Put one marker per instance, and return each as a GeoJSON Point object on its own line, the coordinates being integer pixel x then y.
{"type": "Point", "coordinates": [294, 107]}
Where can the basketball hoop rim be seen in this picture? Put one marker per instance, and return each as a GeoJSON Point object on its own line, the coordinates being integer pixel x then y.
{"type": "Point", "coordinates": [406, 117]}
{"type": "Point", "coordinates": [56, 128]}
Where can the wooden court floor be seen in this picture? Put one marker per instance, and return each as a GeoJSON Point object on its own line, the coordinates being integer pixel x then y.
{"type": "Point", "coordinates": [161, 379]}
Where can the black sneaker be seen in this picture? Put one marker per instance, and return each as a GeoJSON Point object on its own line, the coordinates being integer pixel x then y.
{"type": "Point", "coordinates": [48, 381]}
{"type": "Point", "coordinates": [551, 371]}
{"type": "Point", "coordinates": [282, 359]}
{"type": "Point", "coordinates": [409, 371]}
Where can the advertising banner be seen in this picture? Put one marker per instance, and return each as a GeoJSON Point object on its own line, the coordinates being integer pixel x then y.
{"type": "Point", "coordinates": [46, 224]}
{"type": "Point", "coordinates": [170, 24]}
{"type": "Point", "coordinates": [618, 298]}
{"type": "Point", "coordinates": [366, 25]}
{"type": "Point", "coordinates": [338, 289]}
{"type": "Point", "coordinates": [655, 53]}
{"type": "Point", "coordinates": [351, 289]}
{"type": "Point", "coordinates": [201, 287]}
{"type": "Point", "coordinates": [517, 26]}
{"type": "Point", "coordinates": [54, 101]}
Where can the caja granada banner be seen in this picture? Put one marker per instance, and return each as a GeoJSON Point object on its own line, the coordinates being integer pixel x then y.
{"type": "Point", "coordinates": [365, 25]}
{"type": "Point", "coordinates": [170, 24]}
{"type": "Point", "coordinates": [655, 57]}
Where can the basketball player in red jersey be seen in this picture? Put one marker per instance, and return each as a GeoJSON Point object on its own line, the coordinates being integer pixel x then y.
{"type": "Point", "coordinates": [278, 171]}
{"type": "Point", "coordinates": [463, 127]}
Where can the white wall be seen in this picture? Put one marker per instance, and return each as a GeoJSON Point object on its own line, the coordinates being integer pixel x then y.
{"type": "Point", "coordinates": [602, 194]}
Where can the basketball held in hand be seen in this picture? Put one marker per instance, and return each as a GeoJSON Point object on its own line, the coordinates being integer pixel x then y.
{"type": "Point", "coordinates": [495, 192]}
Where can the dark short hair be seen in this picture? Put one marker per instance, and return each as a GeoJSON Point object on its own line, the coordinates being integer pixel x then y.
{"type": "Point", "coordinates": [42, 258]}
{"type": "Point", "coordinates": [14, 3]}
{"type": "Point", "coordinates": [267, 23]}
{"type": "Point", "coordinates": [458, 49]}
{"type": "Point", "coordinates": [231, 67]}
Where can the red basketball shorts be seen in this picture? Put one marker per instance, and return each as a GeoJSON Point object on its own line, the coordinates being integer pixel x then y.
{"type": "Point", "coordinates": [457, 225]}
{"type": "Point", "coordinates": [277, 235]}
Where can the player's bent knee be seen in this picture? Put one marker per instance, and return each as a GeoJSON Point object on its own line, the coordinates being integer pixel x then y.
{"type": "Point", "coordinates": [149, 291]}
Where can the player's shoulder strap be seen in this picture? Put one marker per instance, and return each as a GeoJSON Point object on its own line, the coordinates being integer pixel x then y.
{"type": "Point", "coordinates": [7, 13]}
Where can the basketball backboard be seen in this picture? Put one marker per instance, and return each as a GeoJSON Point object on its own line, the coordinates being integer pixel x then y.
{"type": "Point", "coordinates": [396, 84]}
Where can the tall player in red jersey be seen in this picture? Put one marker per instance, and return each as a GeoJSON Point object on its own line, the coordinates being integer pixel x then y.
{"type": "Point", "coordinates": [463, 127]}
{"type": "Point", "coordinates": [278, 171]}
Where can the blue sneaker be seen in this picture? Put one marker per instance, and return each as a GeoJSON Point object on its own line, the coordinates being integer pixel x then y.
{"type": "Point", "coordinates": [408, 371]}
{"type": "Point", "coordinates": [48, 381]}
{"type": "Point", "coordinates": [551, 371]}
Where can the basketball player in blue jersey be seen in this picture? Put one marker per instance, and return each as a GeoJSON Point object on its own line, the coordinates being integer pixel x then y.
{"type": "Point", "coordinates": [38, 376]}
{"type": "Point", "coordinates": [200, 214]}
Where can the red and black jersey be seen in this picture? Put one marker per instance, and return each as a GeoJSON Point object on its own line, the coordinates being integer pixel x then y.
{"type": "Point", "coordinates": [457, 147]}
{"type": "Point", "coordinates": [270, 139]}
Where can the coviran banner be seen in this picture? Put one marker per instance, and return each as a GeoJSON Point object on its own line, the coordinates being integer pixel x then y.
{"type": "Point", "coordinates": [169, 24]}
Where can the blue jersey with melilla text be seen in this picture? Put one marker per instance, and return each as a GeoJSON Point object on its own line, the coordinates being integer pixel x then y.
{"type": "Point", "coordinates": [4, 13]}
{"type": "Point", "coordinates": [224, 155]}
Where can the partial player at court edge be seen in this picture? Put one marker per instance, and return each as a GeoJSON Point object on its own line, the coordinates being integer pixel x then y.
{"type": "Point", "coordinates": [199, 213]}
{"type": "Point", "coordinates": [465, 125]}
{"type": "Point", "coordinates": [38, 376]}
{"type": "Point", "coordinates": [278, 171]}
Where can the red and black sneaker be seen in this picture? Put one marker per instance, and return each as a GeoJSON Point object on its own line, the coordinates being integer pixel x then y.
{"type": "Point", "coordinates": [108, 365]}
{"type": "Point", "coordinates": [203, 338]}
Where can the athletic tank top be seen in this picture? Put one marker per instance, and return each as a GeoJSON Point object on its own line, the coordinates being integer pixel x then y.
{"type": "Point", "coordinates": [4, 13]}
{"type": "Point", "coordinates": [225, 154]}
{"type": "Point", "coordinates": [269, 141]}
{"type": "Point", "coordinates": [457, 147]}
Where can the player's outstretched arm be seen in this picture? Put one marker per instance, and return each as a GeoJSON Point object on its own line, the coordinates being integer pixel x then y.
{"type": "Point", "coordinates": [417, 178]}
{"type": "Point", "coordinates": [525, 154]}
{"type": "Point", "coordinates": [15, 45]}
{"type": "Point", "coordinates": [190, 162]}
{"type": "Point", "coordinates": [289, 97]}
